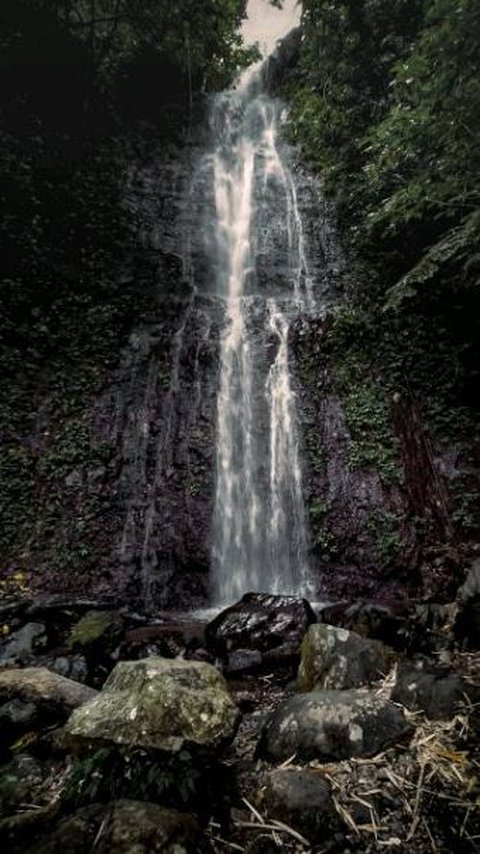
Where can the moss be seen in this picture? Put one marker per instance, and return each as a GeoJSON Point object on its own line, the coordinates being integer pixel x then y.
{"type": "Point", "coordinates": [325, 542]}
{"type": "Point", "coordinates": [96, 629]}
{"type": "Point", "coordinates": [384, 528]}
{"type": "Point", "coordinates": [372, 441]}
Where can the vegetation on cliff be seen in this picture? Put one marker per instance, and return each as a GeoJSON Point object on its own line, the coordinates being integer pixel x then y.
{"type": "Point", "coordinates": [385, 103]}
{"type": "Point", "coordinates": [78, 79]}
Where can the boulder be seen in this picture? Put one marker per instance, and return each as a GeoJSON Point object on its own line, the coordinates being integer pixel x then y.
{"type": "Point", "coordinates": [125, 827]}
{"type": "Point", "coordinates": [302, 799]}
{"type": "Point", "coordinates": [420, 627]}
{"type": "Point", "coordinates": [335, 658]}
{"type": "Point", "coordinates": [159, 704]}
{"type": "Point", "coordinates": [387, 622]}
{"type": "Point", "coordinates": [332, 725]}
{"type": "Point", "coordinates": [438, 692]}
{"type": "Point", "coordinates": [260, 622]}
{"type": "Point", "coordinates": [53, 697]}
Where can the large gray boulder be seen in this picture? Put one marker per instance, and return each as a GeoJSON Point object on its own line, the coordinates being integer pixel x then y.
{"type": "Point", "coordinates": [335, 658]}
{"type": "Point", "coordinates": [332, 725]}
{"type": "Point", "coordinates": [158, 703]}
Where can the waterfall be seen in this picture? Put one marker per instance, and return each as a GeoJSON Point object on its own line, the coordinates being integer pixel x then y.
{"type": "Point", "coordinates": [260, 529]}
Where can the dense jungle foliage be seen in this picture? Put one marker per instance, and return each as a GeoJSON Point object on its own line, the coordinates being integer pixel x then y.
{"type": "Point", "coordinates": [385, 102]}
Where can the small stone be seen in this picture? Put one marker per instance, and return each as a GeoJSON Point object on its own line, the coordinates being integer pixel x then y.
{"type": "Point", "coordinates": [74, 667]}
{"type": "Point", "coordinates": [302, 799]}
{"type": "Point", "coordinates": [16, 717]}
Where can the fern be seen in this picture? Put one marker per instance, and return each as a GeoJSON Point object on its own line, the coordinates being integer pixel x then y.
{"type": "Point", "coordinates": [454, 246]}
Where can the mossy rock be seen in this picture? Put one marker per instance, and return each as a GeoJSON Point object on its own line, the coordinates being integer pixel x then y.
{"type": "Point", "coordinates": [96, 630]}
{"type": "Point", "coordinates": [158, 704]}
{"type": "Point", "coordinates": [334, 658]}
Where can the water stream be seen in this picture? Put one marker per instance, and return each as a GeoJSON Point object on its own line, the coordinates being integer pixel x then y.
{"type": "Point", "coordinates": [260, 529]}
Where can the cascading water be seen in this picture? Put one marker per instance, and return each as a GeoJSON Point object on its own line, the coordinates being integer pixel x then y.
{"type": "Point", "coordinates": [260, 528]}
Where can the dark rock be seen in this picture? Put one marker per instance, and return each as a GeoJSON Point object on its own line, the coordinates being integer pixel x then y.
{"type": "Point", "coordinates": [36, 696]}
{"type": "Point", "coordinates": [263, 844]}
{"type": "Point", "coordinates": [302, 799]}
{"type": "Point", "coordinates": [260, 622]}
{"type": "Point", "coordinates": [387, 622]}
{"type": "Point", "coordinates": [467, 623]}
{"type": "Point", "coordinates": [72, 667]}
{"type": "Point", "coordinates": [20, 782]}
{"type": "Point", "coordinates": [16, 717]}
{"type": "Point", "coordinates": [13, 609]}
{"type": "Point", "coordinates": [440, 693]}
{"type": "Point", "coordinates": [284, 655]}
{"type": "Point", "coordinates": [125, 827]}
{"type": "Point", "coordinates": [243, 661]}
{"type": "Point", "coordinates": [405, 626]}
{"type": "Point", "coordinates": [158, 704]}
{"type": "Point", "coordinates": [335, 658]}
{"type": "Point", "coordinates": [52, 606]}
{"type": "Point", "coordinates": [24, 643]}
{"type": "Point", "coordinates": [168, 639]}
{"type": "Point", "coordinates": [332, 725]}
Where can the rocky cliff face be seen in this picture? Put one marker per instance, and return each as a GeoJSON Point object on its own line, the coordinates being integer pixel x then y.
{"type": "Point", "coordinates": [158, 414]}
{"type": "Point", "coordinates": [128, 511]}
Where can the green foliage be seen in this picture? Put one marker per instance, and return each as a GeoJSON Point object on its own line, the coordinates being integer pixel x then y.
{"type": "Point", "coordinates": [388, 108]}
{"type": "Point", "coordinates": [385, 103]}
{"type": "Point", "coordinates": [372, 442]}
{"type": "Point", "coordinates": [325, 542]}
{"type": "Point", "coordinates": [318, 508]}
{"type": "Point", "coordinates": [94, 44]}
{"type": "Point", "coordinates": [172, 779]}
{"type": "Point", "coordinates": [384, 528]}
{"type": "Point", "coordinates": [366, 399]}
